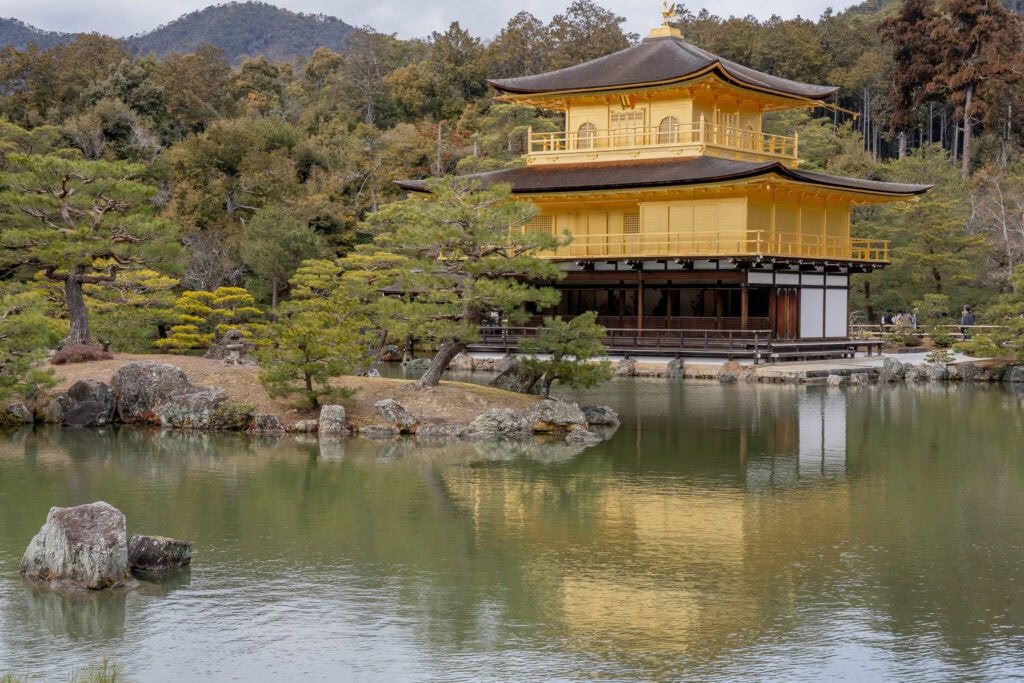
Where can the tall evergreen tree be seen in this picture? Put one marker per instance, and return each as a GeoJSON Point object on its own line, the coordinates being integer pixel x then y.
{"type": "Point", "coordinates": [80, 222]}
{"type": "Point", "coordinates": [473, 256]}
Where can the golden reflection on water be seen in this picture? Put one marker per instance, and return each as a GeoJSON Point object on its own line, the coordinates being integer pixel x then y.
{"type": "Point", "coordinates": [737, 524]}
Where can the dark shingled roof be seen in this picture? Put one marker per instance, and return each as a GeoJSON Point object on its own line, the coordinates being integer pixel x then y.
{"type": "Point", "coordinates": [656, 60]}
{"type": "Point", "coordinates": [615, 175]}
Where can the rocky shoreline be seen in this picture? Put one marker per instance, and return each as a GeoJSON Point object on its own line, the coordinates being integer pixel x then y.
{"type": "Point", "coordinates": [891, 370]}
{"type": "Point", "coordinates": [160, 394]}
{"type": "Point", "coordinates": [151, 393]}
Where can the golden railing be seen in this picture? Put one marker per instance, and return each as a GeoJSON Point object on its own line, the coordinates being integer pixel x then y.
{"type": "Point", "coordinates": [714, 244]}
{"type": "Point", "coordinates": [700, 133]}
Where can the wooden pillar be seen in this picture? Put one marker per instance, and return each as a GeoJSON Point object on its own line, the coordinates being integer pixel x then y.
{"type": "Point", "coordinates": [622, 303]}
{"type": "Point", "coordinates": [668, 306]}
{"type": "Point", "coordinates": [718, 307]}
{"type": "Point", "coordinates": [640, 300]}
{"type": "Point", "coordinates": [744, 306]}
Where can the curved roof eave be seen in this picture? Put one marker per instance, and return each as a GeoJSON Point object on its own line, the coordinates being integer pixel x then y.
{"type": "Point", "coordinates": [717, 68]}
{"type": "Point", "coordinates": [665, 173]}
{"type": "Point", "coordinates": [668, 59]}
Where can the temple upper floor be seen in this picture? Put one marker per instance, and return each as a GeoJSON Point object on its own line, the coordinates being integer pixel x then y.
{"type": "Point", "coordinates": [663, 98]}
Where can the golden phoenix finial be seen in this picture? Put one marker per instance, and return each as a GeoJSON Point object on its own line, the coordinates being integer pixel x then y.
{"type": "Point", "coordinates": [668, 12]}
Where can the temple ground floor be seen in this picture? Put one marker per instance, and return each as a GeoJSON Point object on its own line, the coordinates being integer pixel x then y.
{"type": "Point", "coordinates": [693, 307]}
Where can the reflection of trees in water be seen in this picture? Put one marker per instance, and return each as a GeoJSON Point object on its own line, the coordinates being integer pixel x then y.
{"type": "Point", "coordinates": [719, 518]}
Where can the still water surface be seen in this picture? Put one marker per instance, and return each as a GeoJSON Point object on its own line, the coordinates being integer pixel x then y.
{"type": "Point", "coordinates": [725, 532]}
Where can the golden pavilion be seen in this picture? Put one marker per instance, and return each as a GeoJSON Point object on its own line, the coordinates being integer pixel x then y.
{"type": "Point", "coordinates": [688, 221]}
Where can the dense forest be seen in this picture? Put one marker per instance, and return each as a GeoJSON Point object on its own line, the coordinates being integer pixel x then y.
{"type": "Point", "coordinates": [240, 173]}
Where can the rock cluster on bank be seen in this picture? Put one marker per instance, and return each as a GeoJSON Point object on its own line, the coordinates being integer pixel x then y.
{"type": "Point", "coordinates": [141, 392]}
{"type": "Point", "coordinates": [146, 392]}
{"type": "Point", "coordinates": [512, 377]}
{"type": "Point", "coordinates": [547, 416]}
{"type": "Point", "coordinates": [85, 548]}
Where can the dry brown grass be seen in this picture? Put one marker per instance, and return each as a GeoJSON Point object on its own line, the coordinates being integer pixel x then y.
{"type": "Point", "coordinates": [449, 402]}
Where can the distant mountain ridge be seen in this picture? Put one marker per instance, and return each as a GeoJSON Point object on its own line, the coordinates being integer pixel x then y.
{"type": "Point", "coordinates": [241, 29]}
{"type": "Point", "coordinates": [18, 34]}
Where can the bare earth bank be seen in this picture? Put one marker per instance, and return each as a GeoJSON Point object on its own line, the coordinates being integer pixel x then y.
{"type": "Point", "coordinates": [449, 402]}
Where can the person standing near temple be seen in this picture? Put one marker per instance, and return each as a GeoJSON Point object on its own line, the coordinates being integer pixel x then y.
{"type": "Point", "coordinates": [966, 320]}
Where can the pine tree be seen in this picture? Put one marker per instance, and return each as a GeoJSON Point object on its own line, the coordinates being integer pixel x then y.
{"type": "Point", "coordinates": [473, 256]}
{"type": "Point", "coordinates": [564, 350]}
{"type": "Point", "coordinates": [80, 223]}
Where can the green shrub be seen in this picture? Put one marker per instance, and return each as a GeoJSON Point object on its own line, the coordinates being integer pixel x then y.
{"type": "Point", "coordinates": [939, 357]}
{"type": "Point", "coordinates": [232, 416]}
{"type": "Point", "coordinates": [943, 340]}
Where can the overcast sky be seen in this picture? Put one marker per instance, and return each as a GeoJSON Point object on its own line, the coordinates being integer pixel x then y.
{"type": "Point", "coordinates": [484, 19]}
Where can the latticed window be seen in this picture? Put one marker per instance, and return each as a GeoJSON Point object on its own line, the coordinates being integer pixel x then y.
{"type": "Point", "coordinates": [585, 136]}
{"type": "Point", "coordinates": [668, 130]}
{"type": "Point", "coordinates": [627, 126]}
{"type": "Point", "coordinates": [541, 224]}
{"type": "Point", "coordinates": [631, 224]}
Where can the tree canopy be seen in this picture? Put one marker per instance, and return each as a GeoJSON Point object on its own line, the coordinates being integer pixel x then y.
{"type": "Point", "coordinates": [80, 223]}
{"type": "Point", "coordinates": [473, 257]}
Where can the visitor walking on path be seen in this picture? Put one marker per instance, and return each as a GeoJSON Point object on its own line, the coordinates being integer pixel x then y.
{"type": "Point", "coordinates": [966, 320]}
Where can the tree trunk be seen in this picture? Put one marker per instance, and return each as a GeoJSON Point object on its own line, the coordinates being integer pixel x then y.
{"type": "Point", "coordinates": [78, 314]}
{"type": "Point", "coordinates": [273, 298]}
{"type": "Point", "coordinates": [449, 349]}
{"type": "Point", "coordinates": [310, 394]}
{"type": "Point", "coordinates": [409, 351]}
{"type": "Point", "coordinates": [965, 153]}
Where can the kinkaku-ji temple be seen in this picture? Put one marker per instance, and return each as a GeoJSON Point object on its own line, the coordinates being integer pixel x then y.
{"type": "Point", "coordinates": [693, 230]}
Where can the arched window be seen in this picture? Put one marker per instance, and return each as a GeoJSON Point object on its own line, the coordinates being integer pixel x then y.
{"type": "Point", "coordinates": [668, 130]}
{"type": "Point", "coordinates": [585, 136]}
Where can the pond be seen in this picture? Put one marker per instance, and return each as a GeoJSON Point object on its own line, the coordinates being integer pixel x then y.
{"type": "Point", "coordinates": [724, 532]}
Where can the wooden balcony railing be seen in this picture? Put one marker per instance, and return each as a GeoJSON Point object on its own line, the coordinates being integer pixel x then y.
{"type": "Point", "coordinates": [722, 244]}
{"type": "Point", "coordinates": [733, 343]}
{"type": "Point", "coordinates": [700, 134]}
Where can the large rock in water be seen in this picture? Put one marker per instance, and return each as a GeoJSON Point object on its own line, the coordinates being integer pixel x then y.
{"type": "Point", "coordinates": [498, 423]}
{"type": "Point", "coordinates": [395, 413]}
{"type": "Point", "coordinates": [417, 364]}
{"type": "Point", "coordinates": [550, 415]}
{"type": "Point", "coordinates": [516, 377]}
{"type": "Point", "coordinates": [676, 369]}
{"type": "Point", "coordinates": [157, 554]}
{"type": "Point", "coordinates": [969, 372]}
{"type": "Point", "coordinates": [892, 370]}
{"type": "Point", "coordinates": [461, 363]}
{"type": "Point", "coordinates": [624, 368]}
{"type": "Point", "coordinates": [332, 421]}
{"type": "Point", "coordinates": [19, 412]}
{"type": "Point", "coordinates": [141, 387]}
{"type": "Point", "coordinates": [600, 415]}
{"type": "Point", "coordinates": [190, 408]}
{"type": "Point", "coordinates": [1014, 374]}
{"type": "Point", "coordinates": [81, 547]}
{"type": "Point", "coordinates": [579, 435]}
{"type": "Point", "coordinates": [86, 403]}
